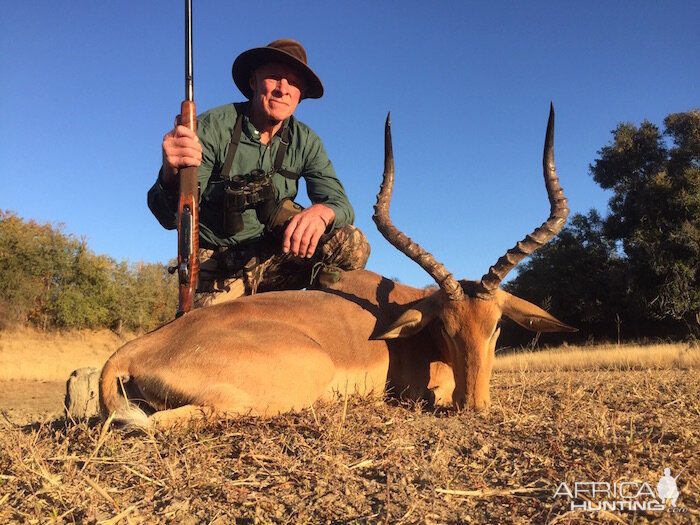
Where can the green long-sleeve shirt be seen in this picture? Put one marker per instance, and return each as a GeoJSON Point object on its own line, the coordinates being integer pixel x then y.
{"type": "Point", "coordinates": [305, 155]}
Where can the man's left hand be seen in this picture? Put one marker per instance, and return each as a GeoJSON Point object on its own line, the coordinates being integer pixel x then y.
{"type": "Point", "coordinates": [305, 229]}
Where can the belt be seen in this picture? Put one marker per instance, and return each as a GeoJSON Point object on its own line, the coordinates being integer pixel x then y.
{"type": "Point", "coordinates": [234, 259]}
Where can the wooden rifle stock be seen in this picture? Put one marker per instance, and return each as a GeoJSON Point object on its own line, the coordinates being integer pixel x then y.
{"type": "Point", "coordinates": [188, 221]}
{"type": "Point", "coordinates": [188, 205]}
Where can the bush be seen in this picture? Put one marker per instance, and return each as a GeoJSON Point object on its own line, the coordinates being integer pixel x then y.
{"type": "Point", "coordinates": [53, 280]}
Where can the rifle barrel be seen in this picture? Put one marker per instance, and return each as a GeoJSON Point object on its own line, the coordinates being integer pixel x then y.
{"type": "Point", "coordinates": [189, 73]}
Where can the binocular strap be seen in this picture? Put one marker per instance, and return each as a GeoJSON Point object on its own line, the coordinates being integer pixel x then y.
{"type": "Point", "coordinates": [279, 157]}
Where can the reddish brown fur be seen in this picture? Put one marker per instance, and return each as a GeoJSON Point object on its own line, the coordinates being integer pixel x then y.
{"type": "Point", "coordinates": [282, 351]}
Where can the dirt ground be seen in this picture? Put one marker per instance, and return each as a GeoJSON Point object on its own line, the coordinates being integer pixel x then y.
{"type": "Point", "coordinates": [23, 402]}
{"type": "Point", "coordinates": [35, 365]}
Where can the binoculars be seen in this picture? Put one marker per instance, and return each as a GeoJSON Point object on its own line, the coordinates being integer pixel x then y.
{"type": "Point", "coordinates": [244, 192]}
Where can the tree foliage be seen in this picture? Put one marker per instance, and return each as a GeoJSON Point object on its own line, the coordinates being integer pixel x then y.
{"type": "Point", "coordinates": [642, 262]}
{"type": "Point", "coordinates": [53, 280]}
{"type": "Point", "coordinates": [655, 210]}
{"type": "Point", "coordinates": [578, 275]}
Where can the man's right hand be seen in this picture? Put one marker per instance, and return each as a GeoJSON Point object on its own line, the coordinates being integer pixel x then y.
{"type": "Point", "coordinates": [181, 149]}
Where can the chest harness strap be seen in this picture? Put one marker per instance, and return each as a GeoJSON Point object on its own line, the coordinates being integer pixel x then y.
{"type": "Point", "coordinates": [279, 158]}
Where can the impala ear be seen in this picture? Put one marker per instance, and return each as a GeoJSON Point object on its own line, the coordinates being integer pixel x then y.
{"type": "Point", "coordinates": [532, 317]}
{"type": "Point", "coordinates": [414, 319]}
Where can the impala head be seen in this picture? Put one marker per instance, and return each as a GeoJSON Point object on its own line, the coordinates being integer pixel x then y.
{"type": "Point", "coordinates": [465, 315]}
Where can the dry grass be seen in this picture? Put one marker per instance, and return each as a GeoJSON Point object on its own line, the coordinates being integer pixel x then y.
{"type": "Point", "coordinates": [681, 356]}
{"type": "Point", "coordinates": [364, 461]}
{"type": "Point", "coordinates": [32, 355]}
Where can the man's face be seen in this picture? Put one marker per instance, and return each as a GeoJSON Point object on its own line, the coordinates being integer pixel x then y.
{"type": "Point", "coordinates": [276, 91]}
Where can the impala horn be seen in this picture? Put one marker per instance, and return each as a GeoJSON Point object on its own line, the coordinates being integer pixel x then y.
{"type": "Point", "coordinates": [401, 241]}
{"type": "Point", "coordinates": [557, 217]}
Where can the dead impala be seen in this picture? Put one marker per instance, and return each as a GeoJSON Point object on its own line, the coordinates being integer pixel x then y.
{"type": "Point", "coordinates": [365, 334]}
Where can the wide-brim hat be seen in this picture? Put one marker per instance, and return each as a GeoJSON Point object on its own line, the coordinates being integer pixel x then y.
{"type": "Point", "coordinates": [285, 51]}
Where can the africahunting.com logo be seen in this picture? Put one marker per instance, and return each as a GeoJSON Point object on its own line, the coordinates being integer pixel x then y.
{"type": "Point", "coordinates": [595, 496]}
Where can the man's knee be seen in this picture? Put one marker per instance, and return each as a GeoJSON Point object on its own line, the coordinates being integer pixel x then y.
{"type": "Point", "coordinates": [347, 248]}
{"type": "Point", "coordinates": [211, 295]}
{"type": "Point", "coordinates": [214, 283]}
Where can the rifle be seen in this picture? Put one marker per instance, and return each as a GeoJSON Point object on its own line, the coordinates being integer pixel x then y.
{"type": "Point", "coordinates": [188, 205]}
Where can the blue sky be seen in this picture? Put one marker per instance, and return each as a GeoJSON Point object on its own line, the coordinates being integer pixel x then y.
{"type": "Point", "coordinates": [88, 89]}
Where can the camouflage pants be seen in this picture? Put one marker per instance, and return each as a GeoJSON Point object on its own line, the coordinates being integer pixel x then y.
{"type": "Point", "coordinates": [228, 273]}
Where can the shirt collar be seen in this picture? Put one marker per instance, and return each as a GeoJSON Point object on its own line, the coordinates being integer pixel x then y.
{"type": "Point", "coordinates": [251, 131]}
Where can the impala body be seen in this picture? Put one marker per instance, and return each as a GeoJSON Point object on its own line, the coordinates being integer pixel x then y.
{"type": "Point", "coordinates": [280, 351]}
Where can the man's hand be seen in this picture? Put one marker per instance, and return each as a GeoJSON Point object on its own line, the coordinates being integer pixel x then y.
{"type": "Point", "coordinates": [305, 229]}
{"type": "Point", "coordinates": [181, 149]}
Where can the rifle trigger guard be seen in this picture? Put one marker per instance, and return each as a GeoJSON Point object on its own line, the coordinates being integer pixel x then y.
{"type": "Point", "coordinates": [183, 272]}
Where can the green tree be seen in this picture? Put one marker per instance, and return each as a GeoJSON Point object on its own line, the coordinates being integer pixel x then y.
{"type": "Point", "coordinates": [159, 302]}
{"type": "Point", "coordinates": [641, 264]}
{"type": "Point", "coordinates": [83, 300]}
{"type": "Point", "coordinates": [655, 212]}
{"type": "Point", "coordinates": [53, 280]}
{"type": "Point", "coordinates": [147, 296]}
{"type": "Point", "coordinates": [34, 259]}
{"type": "Point", "coordinates": [578, 275]}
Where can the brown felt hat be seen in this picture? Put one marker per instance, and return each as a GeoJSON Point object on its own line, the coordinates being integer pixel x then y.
{"type": "Point", "coordinates": [285, 51]}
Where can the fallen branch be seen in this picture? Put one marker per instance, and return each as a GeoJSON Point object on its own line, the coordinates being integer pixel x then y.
{"type": "Point", "coordinates": [486, 493]}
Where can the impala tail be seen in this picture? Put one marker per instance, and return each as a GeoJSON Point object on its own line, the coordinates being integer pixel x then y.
{"type": "Point", "coordinates": [113, 400]}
